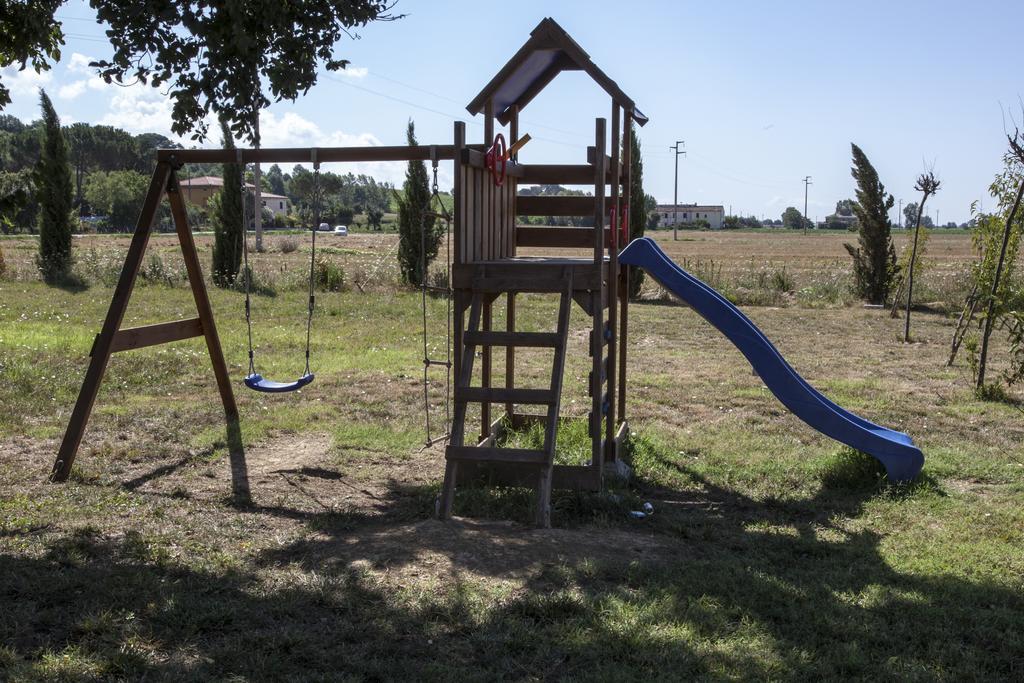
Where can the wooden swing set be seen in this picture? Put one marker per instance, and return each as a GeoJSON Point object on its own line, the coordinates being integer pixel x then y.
{"type": "Point", "coordinates": [487, 264]}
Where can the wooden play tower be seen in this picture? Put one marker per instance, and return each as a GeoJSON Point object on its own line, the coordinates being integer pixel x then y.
{"type": "Point", "coordinates": [488, 267]}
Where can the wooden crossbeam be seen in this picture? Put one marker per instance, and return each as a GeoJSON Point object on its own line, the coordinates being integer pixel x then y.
{"type": "Point", "coordinates": [286, 155]}
{"type": "Point", "coordinates": [151, 335]}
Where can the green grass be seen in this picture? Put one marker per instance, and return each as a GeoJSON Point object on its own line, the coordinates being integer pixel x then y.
{"type": "Point", "coordinates": [773, 552]}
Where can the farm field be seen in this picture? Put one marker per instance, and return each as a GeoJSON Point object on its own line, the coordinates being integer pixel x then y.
{"type": "Point", "coordinates": [301, 546]}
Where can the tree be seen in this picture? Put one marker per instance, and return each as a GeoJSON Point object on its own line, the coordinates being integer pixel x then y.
{"type": "Point", "coordinates": [927, 185]}
{"type": "Point", "coordinates": [54, 193]}
{"type": "Point", "coordinates": [792, 218]}
{"type": "Point", "coordinates": [874, 260]}
{"type": "Point", "coordinates": [844, 207]}
{"type": "Point", "coordinates": [374, 217]}
{"type": "Point", "coordinates": [226, 217]}
{"type": "Point", "coordinates": [418, 235]}
{"type": "Point", "coordinates": [1003, 188]}
{"type": "Point", "coordinates": [18, 204]}
{"type": "Point", "coordinates": [637, 207]}
{"type": "Point", "coordinates": [275, 180]}
{"type": "Point", "coordinates": [910, 215]}
{"type": "Point", "coordinates": [118, 195]}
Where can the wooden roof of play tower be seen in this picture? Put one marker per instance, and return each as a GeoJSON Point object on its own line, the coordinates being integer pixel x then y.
{"type": "Point", "coordinates": [548, 52]}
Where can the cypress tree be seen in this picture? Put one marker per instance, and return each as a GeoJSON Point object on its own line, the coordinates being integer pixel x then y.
{"type": "Point", "coordinates": [226, 217]}
{"type": "Point", "coordinates": [54, 191]}
{"type": "Point", "coordinates": [874, 260]}
{"type": "Point", "coordinates": [637, 208]}
{"type": "Point", "coordinates": [413, 220]}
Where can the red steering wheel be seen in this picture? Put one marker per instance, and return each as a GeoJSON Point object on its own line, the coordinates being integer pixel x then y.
{"type": "Point", "coordinates": [497, 159]}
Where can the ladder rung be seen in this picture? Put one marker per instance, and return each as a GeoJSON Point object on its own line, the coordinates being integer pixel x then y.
{"type": "Point", "coordinates": [491, 454]}
{"type": "Point", "coordinates": [504, 395]}
{"type": "Point", "coordinates": [536, 339]}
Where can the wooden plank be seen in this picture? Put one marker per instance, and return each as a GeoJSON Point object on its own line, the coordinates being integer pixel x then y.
{"type": "Point", "coordinates": [199, 294]}
{"type": "Point", "coordinates": [555, 205]}
{"type": "Point", "coordinates": [592, 157]}
{"type": "Point", "coordinates": [613, 280]}
{"type": "Point", "coordinates": [284, 155]}
{"type": "Point", "coordinates": [503, 395]}
{"type": "Point", "coordinates": [459, 205]}
{"type": "Point", "coordinates": [513, 339]}
{"type": "Point", "coordinates": [510, 350]}
{"type": "Point", "coordinates": [519, 284]}
{"type": "Point", "coordinates": [151, 335]}
{"type": "Point", "coordinates": [115, 314]}
{"type": "Point", "coordinates": [544, 482]}
{"type": "Point", "coordinates": [492, 454]}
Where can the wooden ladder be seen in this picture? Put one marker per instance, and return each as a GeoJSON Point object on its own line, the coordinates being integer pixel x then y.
{"type": "Point", "coordinates": [543, 458]}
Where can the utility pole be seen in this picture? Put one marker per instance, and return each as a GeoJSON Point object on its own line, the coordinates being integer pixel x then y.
{"type": "Point", "coordinates": [899, 215]}
{"type": "Point", "coordinates": [675, 196]}
{"type": "Point", "coordinates": [937, 223]}
{"type": "Point", "coordinates": [807, 182]}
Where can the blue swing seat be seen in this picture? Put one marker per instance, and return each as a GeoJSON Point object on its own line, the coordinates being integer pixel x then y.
{"type": "Point", "coordinates": [256, 382]}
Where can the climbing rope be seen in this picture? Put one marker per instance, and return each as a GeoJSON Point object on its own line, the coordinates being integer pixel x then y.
{"type": "Point", "coordinates": [425, 289]}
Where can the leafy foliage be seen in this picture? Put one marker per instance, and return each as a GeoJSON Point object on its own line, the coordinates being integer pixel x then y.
{"type": "Point", "coordinates": [874, 260]}
{"type": "Point", "coordinates": [226, 217]}
{"type": "Point", "coordinates": [212, 57]}
{"type": "Point", "coordinates": [637, 207]}
{"type": "Point", "coordinates": [118, 195]}
{"type": "Point", "coordinates": [793, 219]}
{"type": "Point", "coordinates": [419, 235]}
{"type": "Point", "coordinates": [18, 205]}
{"type": "Point", "coordinates": [29, 37]}
{"type": "Point", "coordinates": [53, 190]}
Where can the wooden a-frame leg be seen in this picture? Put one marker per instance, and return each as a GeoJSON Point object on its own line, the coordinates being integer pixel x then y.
{"type": "Point", "coordinates": [101, 351]}
{"type": "Point", "coordinates": [163, 180]}
{"type": "Point", "coordinates": [202, 298]}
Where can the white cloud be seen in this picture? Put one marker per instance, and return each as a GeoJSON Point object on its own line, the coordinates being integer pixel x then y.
{"type": "Point", "coordinates": [72, 90]}
{"type": "Point", "coordinates": [80, 63]}
{"type": "Point", "coordinates": [25, 81]}
{"type": "Point", "coordinates": [138, 109]}
{"type": "Point", "coordinates": [354, 72]}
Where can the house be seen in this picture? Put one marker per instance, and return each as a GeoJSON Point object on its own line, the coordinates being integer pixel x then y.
{"type": "Point", "coordinates": [689, 213]}
{"type": "Point", "coordinates": [198, 191]}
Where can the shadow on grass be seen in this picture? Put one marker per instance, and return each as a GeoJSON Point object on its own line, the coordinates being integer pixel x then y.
{"type": "Point", "coordinates": [716, 584]}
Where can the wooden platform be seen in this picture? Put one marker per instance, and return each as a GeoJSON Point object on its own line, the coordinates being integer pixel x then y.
{"type": "Point", "coordinates": [527, 273]}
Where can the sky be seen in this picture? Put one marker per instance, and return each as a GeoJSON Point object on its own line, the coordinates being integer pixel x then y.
{"type": "Point", "coordinates": [763, 94]}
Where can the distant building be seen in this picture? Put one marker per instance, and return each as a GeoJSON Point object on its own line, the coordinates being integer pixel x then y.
{"type": "Point", "coordinates": [689, 213]}
{"type": "Point", "coordinates": [199, 190]}
{"type": "Point", "coordinates": [837, 221]}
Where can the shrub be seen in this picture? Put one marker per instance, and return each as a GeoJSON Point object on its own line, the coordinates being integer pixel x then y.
{"type": "Point", "coordinates": [287, 245]}
{"type": "Point", "coordinates": [329, 277]}
{"type": "Point", "coordinates": [54, 193]}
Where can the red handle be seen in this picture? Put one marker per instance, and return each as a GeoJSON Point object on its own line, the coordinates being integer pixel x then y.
{"type": "Point", "coordinates": [497, 154]}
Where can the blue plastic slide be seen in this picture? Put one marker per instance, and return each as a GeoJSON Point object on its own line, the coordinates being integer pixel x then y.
{"type": "Point", "coordinates": [895, 450]}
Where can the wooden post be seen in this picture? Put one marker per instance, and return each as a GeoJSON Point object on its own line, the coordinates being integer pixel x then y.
{"type": "Point", "coordinates": [101, 351]}
{"type": "Point", "coordinates": [627, 163]}
{"type": "Point", "coordinates": [613, 286]}
{"type": "Point", "coordinates": [510, 304]}
{"type": "Point", "coordinates": [488, 123]}
{"type": "Point", "coordinates": [199, 293]}
{"type": "Point", "coordinates": [600, 178]}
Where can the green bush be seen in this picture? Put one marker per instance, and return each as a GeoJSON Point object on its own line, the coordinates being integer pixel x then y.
{"type": "Point", "coordinates": [329, 276]}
